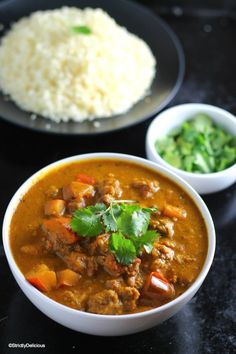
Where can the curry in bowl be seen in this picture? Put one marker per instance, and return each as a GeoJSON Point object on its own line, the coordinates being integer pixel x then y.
{"type": "Point", "coordinates": [109, 237]}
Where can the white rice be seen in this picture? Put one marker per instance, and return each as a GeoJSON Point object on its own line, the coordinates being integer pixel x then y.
{"type": "Point", "coordinates": [51, 71]}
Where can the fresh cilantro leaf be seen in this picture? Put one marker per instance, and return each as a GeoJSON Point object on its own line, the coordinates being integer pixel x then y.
{"type": "Point", "coordinates": [127, 208]}
{"type": "Point", "coordinates": [188, 163]}
{"type": "Point", "coordinates": [123, 248]}
{"type": "Point", "coordinates": [148, 248]}
{"type": "Point", "coordinates": [109, 218]}
{"type": "Point", "coordinates": [87, 221]}
{"type": "Point", "coordinates": [140, 221]}
{"type": "Point", "coordinates": [133, 221]}
{"type": "Point", "coordinates": [166, 144]}
{"type": "Point", "coordinates": [173, 158]}
{"type": "Point", "coordinates": [201, 122]}
{"type": "Point", "coordinates": [81, 29]}
{"type": "Point", "coordinates": [149, 210]}
{"type": "Point", "coordinates": [146, 240]}
{"type": "Point", "coordinates": [201, 162]}
{"type": "Point", "coordinates": [124, 224]}
{"type": "Point", "coordinates": [97, 208]}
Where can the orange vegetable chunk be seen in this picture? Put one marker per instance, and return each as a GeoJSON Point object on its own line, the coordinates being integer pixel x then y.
{"type": "Point", "coordinates": [156, 284]}
{"type": "Point", "coordinates": [67, 277]}
{"type": "Point", "coordinates": [174, 212]}
{"type": "Point", "coordinates": [58, 229]}
{"type": "Point", "coordinates": [77, 190]}
{"type": "Point", "coordinates": [54, 207]}
{"type": "Point", "coordinates": [42, 278]}
{"type": "Point", "coordinates": [83, 178]}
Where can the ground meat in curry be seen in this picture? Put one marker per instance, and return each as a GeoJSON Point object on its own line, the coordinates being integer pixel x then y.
{"type": "Point", "coordinates": [83, 272]}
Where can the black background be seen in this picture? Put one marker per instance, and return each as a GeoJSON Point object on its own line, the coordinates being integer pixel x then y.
{"type": "Point", "coordinates": [207, 31]}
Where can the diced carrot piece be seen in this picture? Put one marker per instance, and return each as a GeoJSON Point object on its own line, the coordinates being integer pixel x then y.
{"type": "Point", "coordinates": [174, 212]}
{"type": "Point", "coordinates": [82, 177]}
{"type": "Point", "coordinates": [77, 190]}
{"type": "Point", "coordinates": [54, 207]}
{"type": "Point", "coordinates": [44, 280]}
{"type": "Point", "coordinates": [157, 284]}
{"type": "Point", "coordinates": [59, 229]}
{"type": "Point", "coordinates": [36, 282]}
{"type": "Point", "coordinates": [67, 277]}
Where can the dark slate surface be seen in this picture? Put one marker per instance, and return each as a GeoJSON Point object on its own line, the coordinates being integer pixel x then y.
{"type": "Point", "coordinates": [207, 323]}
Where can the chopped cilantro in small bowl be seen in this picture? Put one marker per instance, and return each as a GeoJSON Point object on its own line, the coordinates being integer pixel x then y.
{"type": "Point", "coordinates": [198, 145]}
{"type": "Point", "coordinates": [197, 142]}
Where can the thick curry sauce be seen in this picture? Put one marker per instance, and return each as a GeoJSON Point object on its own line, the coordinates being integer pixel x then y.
{"type": "Point", "coordinates": [97, 282]}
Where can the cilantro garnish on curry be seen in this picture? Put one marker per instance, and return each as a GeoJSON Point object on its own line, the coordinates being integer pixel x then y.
{"type": "Point", "coordinates": [128, 225]}
{"type": "Point", "coordinates": [108, 237]}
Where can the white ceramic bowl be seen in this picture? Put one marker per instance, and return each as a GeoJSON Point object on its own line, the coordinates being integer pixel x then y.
{"type": "Point", "coordinates": [107, 325]}
{"type": "Point", "coordinates": [173, 118]}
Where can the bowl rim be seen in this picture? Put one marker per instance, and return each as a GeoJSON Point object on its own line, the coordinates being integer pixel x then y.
{"type": "Point", "coordinates": [123, 157]}
{"type": "Point", "coordinates": [150, 142]}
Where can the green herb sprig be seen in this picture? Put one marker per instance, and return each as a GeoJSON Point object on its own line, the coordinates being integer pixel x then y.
{"type": "Point", "coordinates": [127, 221]}
{"type": "Point", "coordinates": [81, 29]}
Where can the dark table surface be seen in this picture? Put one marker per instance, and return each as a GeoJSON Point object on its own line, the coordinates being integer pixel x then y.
{"type": "Point", "coordinates": [207, 323]}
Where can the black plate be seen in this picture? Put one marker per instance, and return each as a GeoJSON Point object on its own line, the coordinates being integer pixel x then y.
{"type": "Point", "coordinates": [137, 19]}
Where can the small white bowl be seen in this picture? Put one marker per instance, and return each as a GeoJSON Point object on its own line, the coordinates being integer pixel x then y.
{"type": "Point", "coordinates": [173, 118]}
{"type": "Point", "coordinates": [107, 325]}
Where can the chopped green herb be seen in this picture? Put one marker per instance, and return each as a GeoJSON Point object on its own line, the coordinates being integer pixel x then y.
{"type": "Point", "coordinates": [199, 146]}
{"type": "Point", "coordinates": [81, 29]}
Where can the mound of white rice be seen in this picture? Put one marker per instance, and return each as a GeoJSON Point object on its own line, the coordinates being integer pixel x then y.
{"type": "Point", "coordinates": [50, 70]}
